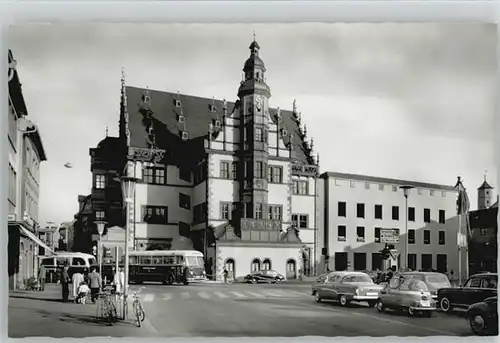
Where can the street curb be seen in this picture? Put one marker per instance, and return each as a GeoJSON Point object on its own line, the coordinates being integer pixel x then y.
{"type": "Point", "coordinates": [146, 324]}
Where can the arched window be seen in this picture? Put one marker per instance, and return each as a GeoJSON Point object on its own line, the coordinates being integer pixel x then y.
{"type": "Point", "coordinates": [266, 265]}
{"type": "Point", "coordinates": [291, 269]}
{"type": "Point", "coordinates": [229, 265]}
{"type": "Point", "coordinates": [255, 265]}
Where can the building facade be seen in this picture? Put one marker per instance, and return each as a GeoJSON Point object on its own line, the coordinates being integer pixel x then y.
{"type": "Point", "coordinates": [358, 208]}
{"type": "Point", "coordinates": [482, 243]}
{"type": "Point", "coordinates": [49, 235]}
{"type": "Point", "coordinates": [25, 154]}
{"type": "Point", "coordinates": [82, 240]}
{"type": "Point", "coordinates": [66, 236]}
{"type": "Point", "coordinates": [235, 180]}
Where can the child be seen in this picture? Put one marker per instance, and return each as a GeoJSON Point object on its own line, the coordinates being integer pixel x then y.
{"type": "Point", "coordinates": [83, 292]}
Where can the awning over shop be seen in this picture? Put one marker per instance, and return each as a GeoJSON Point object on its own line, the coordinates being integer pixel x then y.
{"type": "Point", "coordinates": [35, 239]}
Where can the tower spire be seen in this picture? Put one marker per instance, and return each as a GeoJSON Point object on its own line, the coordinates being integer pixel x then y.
{"type": "Point", "coordinates": [106, 131]}
{"type": "Point", "coordinates": [485, 174]}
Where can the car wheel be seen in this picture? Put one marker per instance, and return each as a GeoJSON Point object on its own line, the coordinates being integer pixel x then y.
{"type": "Point", "coordinates": [477, 324]}
{"type": "Point", "coordinates": [445, 305]}
{"type": "Point", "coordinates": [411, 311]}
{"type": "Point", "coordinates": [380, 306]}
{"type": "Point", "coordinates": [254, 281]}
{"type": "Point", "coordinates": [343, 300]}
{"type": "Point", "coordinates": [372, 303]}
{"type": "Point", "coordinates": [317, 297]}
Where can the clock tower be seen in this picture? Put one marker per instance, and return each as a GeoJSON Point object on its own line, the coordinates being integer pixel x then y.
{"type": "Point", "coordinates": [254, 95]}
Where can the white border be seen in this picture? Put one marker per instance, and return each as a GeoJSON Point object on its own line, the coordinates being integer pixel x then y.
{"type": "Point", "coordinates": [18, 12]}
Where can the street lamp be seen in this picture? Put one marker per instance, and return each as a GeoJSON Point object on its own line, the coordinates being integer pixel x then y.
{"type": "Point", "coordinates": [406, 193]}
{"type": "Point", "coordinates": [128, 189]}
{"type": "Point", "coordinates": [100, 230]}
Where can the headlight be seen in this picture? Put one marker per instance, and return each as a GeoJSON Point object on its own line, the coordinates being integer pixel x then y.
{"type": "Point", "coordinates": [357, 291]}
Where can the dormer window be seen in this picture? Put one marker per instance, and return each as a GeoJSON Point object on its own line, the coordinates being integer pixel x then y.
{"type": "Point", "coordinates": [185, 135]}
{"type": "Point", "coordinates": [284, 132]}
{"type": "Point", "coordinates": [147, 99]}
{"type": "Point", "coordinates": [178, 103]}
{"type": "Point", "coordinates": [212, 107]}
{"type": "Point", "coordinates": [181, 119]}
{"type": "Point", "coordinates": [217, 124]}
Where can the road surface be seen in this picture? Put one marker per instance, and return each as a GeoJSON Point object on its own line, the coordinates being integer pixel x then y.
{"type": "Point", "coordinates": [211, 310]}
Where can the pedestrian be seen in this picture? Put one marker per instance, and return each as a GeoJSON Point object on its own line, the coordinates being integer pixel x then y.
{"type": "Point", "coordinates": [95, 283]}
{"type": "Point", "coordinates": [65, 280]}
{"type": "Point", "coordinates": [225, 274]}
{"type": "Point", "coordinates": [41, 277]}
{"type": "Point", "coordinates": [77, 279]}
{"type": "Point", "coordinates": [119, 281]}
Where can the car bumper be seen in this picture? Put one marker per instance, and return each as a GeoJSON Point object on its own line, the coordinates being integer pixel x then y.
{"type": "Point", "coordinates": [417, 308]}
{"type": "Point", "coordinates": [196, 278]}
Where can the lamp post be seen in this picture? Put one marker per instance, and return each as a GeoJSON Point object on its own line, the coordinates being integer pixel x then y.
{"type": "Point", "coordinates": [100, 230]}
{"type": "Point", "coordinates": [128, 189]}
{"type": "Point", "coordinates": [406, 193]}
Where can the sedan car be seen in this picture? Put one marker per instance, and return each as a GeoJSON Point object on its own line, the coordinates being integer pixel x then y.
{"type": "Point", "coordinates": [408, 294]}
{"type": "Point", "coordinates": [477, 288]}
{"type": "Point", "coordinates": [267, 276]}
{"type": "Point", "coordinates": [483, 317]}
{"type": "Point", "coordinates": [345, 287]}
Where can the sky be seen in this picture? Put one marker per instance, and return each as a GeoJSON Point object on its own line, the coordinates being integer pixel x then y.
{"type": "Point", "coordinates": [406, 101]}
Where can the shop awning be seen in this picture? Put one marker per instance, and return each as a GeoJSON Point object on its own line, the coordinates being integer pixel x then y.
{"type": "Point", "coordinates": [35, 239]}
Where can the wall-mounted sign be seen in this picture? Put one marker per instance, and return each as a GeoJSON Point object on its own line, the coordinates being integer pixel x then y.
{"type": "Point", "coordinates": [389, 236]}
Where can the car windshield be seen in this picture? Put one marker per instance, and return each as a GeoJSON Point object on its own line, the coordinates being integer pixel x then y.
{"type": "Point", "coordinates": [194, 261]}
{"type": "Point", "coordinates": [417, 285]}
{"type": "Point", "coordinates": [357, 278]}
{"type": "Point", "coordinates": [440, 281]}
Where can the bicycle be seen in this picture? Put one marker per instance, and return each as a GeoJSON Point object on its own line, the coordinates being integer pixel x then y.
{"type": "Point", "coordinates": [109, 309]}
{"type": "Point", "coordinates": [137, 307]}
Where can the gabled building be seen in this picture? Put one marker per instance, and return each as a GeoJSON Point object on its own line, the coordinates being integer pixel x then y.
{"type": "Point", "coordinates": [26, 153]}
{"type": "Point", "coordinates": [235, 180]}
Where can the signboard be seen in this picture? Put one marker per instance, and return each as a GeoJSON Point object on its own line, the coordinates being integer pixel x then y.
{"type": "Point", "coordinates": [389, 236]}
{"type": "Point", "coordinates": [462, 240]}
{"type": "Point", "coordinates": [394, 253]}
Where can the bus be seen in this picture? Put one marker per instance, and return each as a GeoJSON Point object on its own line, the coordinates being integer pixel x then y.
{"type": "Point", "coordinates": [166, 266]}
{"type": "Point", "coordinates": [76, 261]}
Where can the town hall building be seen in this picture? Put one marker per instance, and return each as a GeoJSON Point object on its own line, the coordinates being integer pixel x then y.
{"type": "Point", "coordinates": [235, 180]}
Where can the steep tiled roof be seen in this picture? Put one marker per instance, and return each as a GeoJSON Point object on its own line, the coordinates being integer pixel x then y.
{"type": "Point", "coordinates": [485, 185]}
{"type": "Point", "coordinates": [198, 116]}
{"type": "Point", "coordinates": [367, 178]}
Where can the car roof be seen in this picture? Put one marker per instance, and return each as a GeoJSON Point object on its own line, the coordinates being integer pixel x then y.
{"type": "Point", "coordinates": [421, 273]}
{"type": "Point", "coordinates": [485, 274]}
{"type": "Point", "coordinates": [348, 273]}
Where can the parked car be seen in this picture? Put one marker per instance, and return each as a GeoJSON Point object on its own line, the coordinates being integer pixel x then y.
{"type": "Point", "coordinates": [483, 317]}
{"type": "Point", "coordinates": [477, 288]}
{"type": "Point", "coordinates": [434, 281]}
{"type": "Point", "coordinates": [268, 276]}
{"type": "Point", "coordinates": [407, 293]}
{"type": "Point", "coordinates": [345, 287]}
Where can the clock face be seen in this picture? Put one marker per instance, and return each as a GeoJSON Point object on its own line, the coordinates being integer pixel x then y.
{"type": "Point", "coordinates": [258, 102]}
